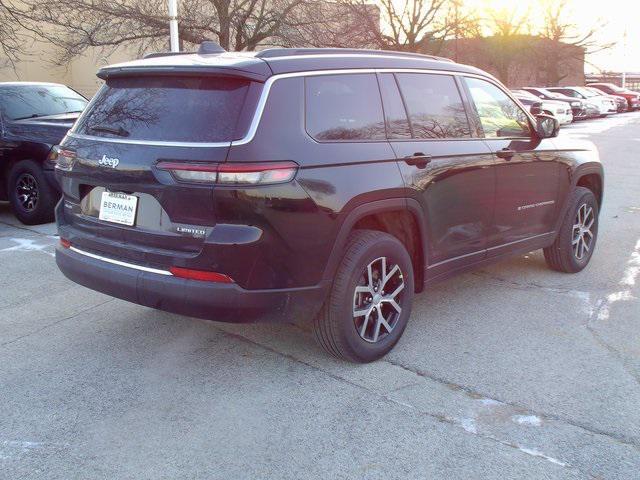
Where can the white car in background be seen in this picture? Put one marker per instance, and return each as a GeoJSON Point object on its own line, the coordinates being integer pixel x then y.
{"type": "Point", "coordinates": [561, 110]}
{"type": "Point", "coordinates": [604, 104]}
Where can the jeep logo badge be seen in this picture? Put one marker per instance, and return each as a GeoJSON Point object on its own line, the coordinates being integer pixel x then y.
{"type": "Point", "coordinates": [108, 162]}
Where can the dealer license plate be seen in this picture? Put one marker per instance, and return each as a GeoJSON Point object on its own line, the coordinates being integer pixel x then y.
{"type": "Point", "coordinates": [118, 208]}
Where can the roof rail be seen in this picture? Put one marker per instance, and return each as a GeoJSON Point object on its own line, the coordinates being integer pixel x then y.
{"type": "Point", "coordinates": [290, 52]}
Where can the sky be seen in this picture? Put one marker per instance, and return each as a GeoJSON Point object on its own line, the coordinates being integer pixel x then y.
{"type": "Point", "coordinates": [612, 18]}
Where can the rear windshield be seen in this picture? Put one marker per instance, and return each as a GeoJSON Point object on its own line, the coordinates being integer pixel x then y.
{"type": "Point", "coordinates": [180, 109]}
{"type": "Point", "coordinates": [20, 102]}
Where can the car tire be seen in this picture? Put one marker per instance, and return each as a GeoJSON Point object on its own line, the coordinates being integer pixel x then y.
{"type": "Point", "coordinates": [372, 261]}
{"type": "Point", "coordinates": [31, 197]}
{"type": "Point", "coordinates": [576, 240]}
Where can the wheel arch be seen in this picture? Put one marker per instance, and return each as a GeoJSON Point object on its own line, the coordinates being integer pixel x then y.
{"type": "Point", "coordinates": [589, 175]}
{"type": "Point", "coordinates": [593, 182]}
{"type": "Point", "coordinates": [401, 217]}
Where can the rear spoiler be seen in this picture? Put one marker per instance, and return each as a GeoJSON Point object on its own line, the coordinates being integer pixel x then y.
{"type": "Point", "coordinates": [183, 70]}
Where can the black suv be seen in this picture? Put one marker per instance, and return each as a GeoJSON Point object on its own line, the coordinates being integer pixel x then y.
{"type": "Point", "coordinates": [330, 185]}
{"type": "Point", "coordinates": [33, 118]}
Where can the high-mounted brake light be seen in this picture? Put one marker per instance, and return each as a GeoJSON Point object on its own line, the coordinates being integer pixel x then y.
{"type": "Point", "coordinates": [232, 173]}
{"type": "Point", "coordinates": [201, 275]}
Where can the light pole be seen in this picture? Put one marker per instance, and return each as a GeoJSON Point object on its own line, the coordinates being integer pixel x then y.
{"type": "Point", "coordinates": [624, 58]}
{"type": "Point", "coordinates": [173, 25]}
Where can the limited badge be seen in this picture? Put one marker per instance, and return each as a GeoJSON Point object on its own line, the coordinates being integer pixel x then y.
{"type": "Point", "coordinates": [195, 232]}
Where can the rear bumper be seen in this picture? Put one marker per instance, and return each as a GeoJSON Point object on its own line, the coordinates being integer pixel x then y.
{"type": "Point", "coordinates": [208, 300]}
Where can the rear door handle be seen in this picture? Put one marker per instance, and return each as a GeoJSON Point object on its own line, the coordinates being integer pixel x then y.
{"type": "Point", "coordinates": [506, 153]}
{"type": "Point", "coordinates": [418, 159]}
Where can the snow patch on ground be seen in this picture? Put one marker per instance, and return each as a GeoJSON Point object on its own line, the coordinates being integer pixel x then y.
{"type": "Point", "coordinates": [629, 279]}
{"type": "Point", "coordinates": [529, 420]}
{"type": "Point", "coordinates": [28, 245]}
{"type": "Point", "coordinates": [468, 424]}
{"type": "Point", "coordinates": [536, 453]}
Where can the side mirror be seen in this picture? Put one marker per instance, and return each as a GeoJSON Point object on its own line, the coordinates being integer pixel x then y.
{"type": "Point", "coordinates": [536, 108]}
{"type": "Point", "coordinates": [547, 126]}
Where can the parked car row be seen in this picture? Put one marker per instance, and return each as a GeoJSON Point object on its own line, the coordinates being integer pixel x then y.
{"type": "Point", "coordinates": [568, 104]}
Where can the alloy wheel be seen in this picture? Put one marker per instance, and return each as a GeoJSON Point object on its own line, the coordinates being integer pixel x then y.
{"type": "Point", "coordinates": [377, 300]}
{"type": "Point", "coordinates": [582, 231]}
{"type": "Point", "coordinates": [27, 192]}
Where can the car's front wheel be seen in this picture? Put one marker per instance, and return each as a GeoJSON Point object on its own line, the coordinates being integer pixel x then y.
{"type": "Point", "coordinates": [370, 300]}
{"type": "Point", "coordinates": [32, 199]}
{"type": "Point", "coordinates": [578, 233]}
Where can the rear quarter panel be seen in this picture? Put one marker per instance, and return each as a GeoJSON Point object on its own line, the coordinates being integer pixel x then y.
{"type": "Point", "coordinates": [301, 221]}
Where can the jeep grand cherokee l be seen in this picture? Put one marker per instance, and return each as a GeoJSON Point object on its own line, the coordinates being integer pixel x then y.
{"type": "Point", "coordinates": [330, 185]}
{"type": "Point", "coordinates": [34, 117]}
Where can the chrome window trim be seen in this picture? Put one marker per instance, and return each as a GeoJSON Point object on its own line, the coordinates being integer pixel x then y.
{"type": "Point", "coordinates": [157, 143]}
{"type": "Point", "coordinates": [253, 128]}
{"type": "Point", "coordinates": [262, 101]}
{"type": "Point", "coordinates": [119, 263]}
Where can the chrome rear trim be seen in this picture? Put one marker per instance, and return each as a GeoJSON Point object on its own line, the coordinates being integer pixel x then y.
{"type": "Point", "coordinates": [118, 262]}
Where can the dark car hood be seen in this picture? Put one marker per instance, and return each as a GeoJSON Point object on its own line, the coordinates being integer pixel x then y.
{"type": "Point", "coordinates": [50, 129]}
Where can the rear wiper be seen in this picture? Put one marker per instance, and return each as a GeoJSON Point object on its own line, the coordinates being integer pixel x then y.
{"type": "Point", "coordinates": [121, 132]}
{"type": "Point", "coordinates": [33, 115]}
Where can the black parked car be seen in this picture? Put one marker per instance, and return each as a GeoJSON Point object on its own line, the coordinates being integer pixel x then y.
{"type": "Point", "coordinates": [33, 118]}
{"type": "Point", "coordinates": [322, 184]}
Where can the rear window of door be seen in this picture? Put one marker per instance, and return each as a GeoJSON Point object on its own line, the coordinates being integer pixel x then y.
{"type": "Point", "coordinates": [499, 115]}
{"type": "Point", "coordinates": [434, 105]}
{"type": "Point", "coordinates": [344, 108]}
{"type": "Point", "coordinates": [395, 113]}
{"type": "Point", "coordinates": [179, 109]}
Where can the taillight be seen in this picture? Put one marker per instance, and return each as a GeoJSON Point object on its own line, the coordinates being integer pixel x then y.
{"type": "Point", "coordinates": [52, 158]}
{"type": "Point", "coordinates": [64, 243]}
{"type": "Point", "coordinates": [232, 173]}
{"type": "Point", "coordinates": [65, 159]}
{"type": "Point", "coordinates": [191, 172]}
{"type": "Point", "coordinates": [201, 275]}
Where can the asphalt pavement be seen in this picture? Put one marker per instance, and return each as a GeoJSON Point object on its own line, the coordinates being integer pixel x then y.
{"type": "Point", "coordinates": [513, 371]}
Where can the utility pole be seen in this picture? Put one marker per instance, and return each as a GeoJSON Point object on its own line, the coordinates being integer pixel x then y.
{"type": "Point", "coordinates": [173, 25]}
{"type": "Point", "coordinates": [624, 58]}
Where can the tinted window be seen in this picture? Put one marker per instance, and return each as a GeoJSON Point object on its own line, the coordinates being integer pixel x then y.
{"type": "Point", "coordinates": [499, 115]}
{"type": "Point", "coordinates": [344, 107]}
{"type": "Point", "coordinates": [394, 111]}
{"type": "Point", "coordinates": [190, 109]}
{"type": "Point", "coordinates": [435, 106]}
{"type": "Point", "coordinates": [31, 101]}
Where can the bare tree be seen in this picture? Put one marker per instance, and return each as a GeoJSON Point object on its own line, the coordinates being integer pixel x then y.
{"type": "Point", "coordinates": [465, 24]}
{"type": "Point", "coordinates": [331, 24]}
{"type": "Point", "coordinates": [564, 43]}
{"type": "Point", "coordinates": [14, 32]}
{"type": "Point", "coordinates": [506, 47]}
{"type": "Point", "coordinates": [75, 25]}
{"type": "Point", "coordinates": [411, 25]}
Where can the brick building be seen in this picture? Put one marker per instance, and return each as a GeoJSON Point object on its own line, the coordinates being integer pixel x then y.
{"type": "Point", "coordinates": [521, 60]}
